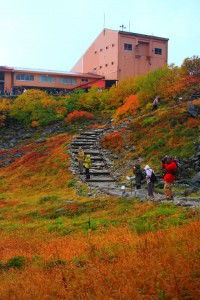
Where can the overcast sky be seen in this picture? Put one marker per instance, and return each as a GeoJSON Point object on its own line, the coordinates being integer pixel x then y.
{"type": "Point", "coordinates": [54, 34]}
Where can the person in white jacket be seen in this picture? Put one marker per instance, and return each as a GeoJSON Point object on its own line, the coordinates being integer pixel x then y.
{"type": "Point", "coordinates": [149, 171]}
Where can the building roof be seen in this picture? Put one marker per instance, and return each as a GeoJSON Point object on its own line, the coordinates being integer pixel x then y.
{"type": "Point", "coordinates": [55, 72]}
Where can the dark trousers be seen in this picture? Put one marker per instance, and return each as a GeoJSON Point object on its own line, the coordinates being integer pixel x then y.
{"type": "Point", "coordinates": [87, 173]}
{"type": "Point", "coordinates": [150, 189]}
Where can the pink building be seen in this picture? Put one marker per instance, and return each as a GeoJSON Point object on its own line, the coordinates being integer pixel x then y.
{"type": "Point", "coordinates": [118, 54]}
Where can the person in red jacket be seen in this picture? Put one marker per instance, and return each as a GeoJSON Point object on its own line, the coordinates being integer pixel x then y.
{"type": "Point", "coordinates": [170, 167]}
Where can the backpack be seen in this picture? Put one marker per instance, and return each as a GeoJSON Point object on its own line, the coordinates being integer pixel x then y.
{"type": "Point", "coordinates": [177, 173]}
{"type": "Point", "coordinates": [153, 177]}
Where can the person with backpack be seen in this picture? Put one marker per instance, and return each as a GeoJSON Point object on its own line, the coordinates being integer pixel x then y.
{"type": "Point", "coordinates": [81, 156]}
{"type": "Point", "coordinates": [151, 178]}
{"type": "Point", "coordinates": [170, 167]}
{"type": "Point", "coordinates": [138, 176]}
{"type": "Point", "coordinates": [87, 166]}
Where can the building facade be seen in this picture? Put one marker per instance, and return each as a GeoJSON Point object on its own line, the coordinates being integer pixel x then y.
{"type": "Point", "coordinates": [119, 54]}
{"type": "Point", "coordinates": [14, 80]}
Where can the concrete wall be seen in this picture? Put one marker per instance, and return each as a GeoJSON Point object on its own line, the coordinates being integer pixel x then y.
{"type": "Point", "coordinates": [107, 55]}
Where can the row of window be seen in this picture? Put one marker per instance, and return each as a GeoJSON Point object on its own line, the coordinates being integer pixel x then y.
{"type": "Point", "coordinates": [101, 50]}
{"type": "Point", "coordinates": [106, 65]}
{"type": "Point", "coordinates": [48, 79]}
{"type": "Point", "coordinates": [129, 47]}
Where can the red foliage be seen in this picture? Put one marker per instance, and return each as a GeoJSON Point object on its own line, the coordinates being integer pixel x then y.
{"type": "Point", "coordinates": [112, 140]}
{"type": "Point", "coordinates": [79, 116]}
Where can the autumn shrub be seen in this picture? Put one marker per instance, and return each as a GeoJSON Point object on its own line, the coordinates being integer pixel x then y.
{"type": "Point", "coordinates": [129, 108]}
{"type": "Point", "coordinates": [5, 108]}
{"type": "Point", "coordinates": [72, 101]}
{"type": "Point", "coordinates": [36, 108]}
{"type": "Point", "coordinates": [91, 101]}
{"type": "Point", "coordinates": [79, 117]}
{"type": "Point", "coordinates": [112, 140]}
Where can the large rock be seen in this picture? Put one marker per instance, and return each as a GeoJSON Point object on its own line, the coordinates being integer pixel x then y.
{"type": "Point", "coordinates": [196, 179]}
{"type": "Point", "coordinates": [192, 110]}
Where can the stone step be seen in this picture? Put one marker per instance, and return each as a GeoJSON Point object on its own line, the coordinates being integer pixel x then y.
{"type": "Point", "coordinates": [85, 140]}
{"type": "Point", "coordinates": [85, 137]}
{"type": "Point", "coordinates": [93, 132]}
{"type": "Point", "coordinates": [81, 143]}
{"type": "Point", "coordinates": [95, 172]}
{"type": "Point", "coordinates": [101, 179]}
{"type": "Point", "coordinates": [88, 151]}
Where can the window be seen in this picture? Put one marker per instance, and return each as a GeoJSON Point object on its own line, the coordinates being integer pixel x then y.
{"type": "Point", "coordinates": [84, 79]}
{"type": "Point", "coordinates": [95, 52]}
{"type": "Point", "coordinates": [106, 47]}
{"type": "Point", "coordinates": [158, 51]}
{"type": "Point", "coordinates": [106, 65]}
{"type": "Point", "coordinates": [70, 81]}
{"type": "Point", "coordinates": [128, 47]}
{"type": "Point", "coordinates": [113, 45]}
{"type": "Point", "coordinates": [25, 77]}
{"type": "Point", "coordinates": [46, 78]}
{"type": "Point", "coordinates": [101, 50]}
{"type": "Point", "coordinates": [112, 63]}
{"type": "Point", "coordinates": [100, 67]}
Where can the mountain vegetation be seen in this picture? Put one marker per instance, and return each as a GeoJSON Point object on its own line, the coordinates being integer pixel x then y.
{"type": "Point", "coordinates": [59, 239]}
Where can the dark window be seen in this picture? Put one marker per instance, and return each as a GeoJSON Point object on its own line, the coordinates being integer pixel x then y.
{"type": "Point", "coordinates": [25, 77]}
{"type": "Point", "coordinates": [106, 65]}
{"type": "Point", "coordinates": [113, 45]}
{"type": "Point", "coordinates": [70, 81]}
{"type": "Point", "coordinates": [158, 51]}
{"type": "Point", "coordinates": [100, 67]}
{"type": "Point", "coordinates": [101, 50]}
{"type": "Point", "coordinates": [84, 80]}
{"type": "Point", "coordinates": [128, 47]}
{"type": "Point", "coordinates": [112, 63]}
{"type": "Point", "coordinates": [47, 78]}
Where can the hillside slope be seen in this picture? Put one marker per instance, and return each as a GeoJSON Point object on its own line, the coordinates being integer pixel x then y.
{"type": "Point", "coordinates": [59, 240]}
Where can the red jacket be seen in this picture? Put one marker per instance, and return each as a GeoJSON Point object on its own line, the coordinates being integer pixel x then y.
{"type": "Point", "coordinates": [170, 169]}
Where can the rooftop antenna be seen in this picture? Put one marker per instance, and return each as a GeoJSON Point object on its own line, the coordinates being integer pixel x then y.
{"type": "Point", "coordinates": [122, 27]}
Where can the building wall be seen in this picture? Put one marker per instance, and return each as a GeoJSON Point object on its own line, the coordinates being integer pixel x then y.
{"type": "Point", "coordinates": [107, 55]}
{"type": "Point", "coordinates": [30, 79]}
{"type": "Point", "coordinates": [8, 80]}
{"type": "Point", "coordinates": [101, 57]}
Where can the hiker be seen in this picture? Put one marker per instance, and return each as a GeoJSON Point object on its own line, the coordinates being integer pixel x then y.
{"type": "Point", "coordinates": [81, 156]}
{"type": "Point", "coordinates": [87, 166]}
{"type": "Point", "coordinates": [170, 167]}
{"type": "Point", "coordinates": [150, 186]}
{"type": "Point", "coordinates": [138, 176]}
{"type": "Point", "coordinates": [155, 103]}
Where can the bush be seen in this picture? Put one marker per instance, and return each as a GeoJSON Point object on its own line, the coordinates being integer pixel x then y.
{"type": "Point", "coordinates": [36, 108]}
{"type": "Point", "coordinates": [79, 117]}
{"type": "Point", "coordinates": [112, 140]}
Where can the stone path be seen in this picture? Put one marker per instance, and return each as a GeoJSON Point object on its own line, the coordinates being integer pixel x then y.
{"type": "Point", "coordinates": [101, 176]}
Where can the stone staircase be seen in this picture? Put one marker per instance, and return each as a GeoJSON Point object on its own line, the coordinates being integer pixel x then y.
{"type": "Point", "coordinates": [100, 175]}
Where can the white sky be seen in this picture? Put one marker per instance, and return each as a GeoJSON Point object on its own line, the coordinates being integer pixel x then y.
{"type": "Point", "coordinates": [54, 34]}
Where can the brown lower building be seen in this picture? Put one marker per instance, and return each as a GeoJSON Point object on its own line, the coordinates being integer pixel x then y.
{"type": "Point", "coordinates": [14, 80]}
{"type": "Point", "coordinates": [119, 54]}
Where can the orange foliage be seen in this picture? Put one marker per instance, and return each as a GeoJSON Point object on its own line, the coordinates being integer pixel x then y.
{"type": "Point", "coordinates": [112, 140]}
{"type": "Point", "coordinates": [112, 265]}
{"type": "Point", "coordinates": [192, 123]}
{"type": "Point", "coordinates": [129, 107]}
{"type": "Point", "coordinates": [79, 116]}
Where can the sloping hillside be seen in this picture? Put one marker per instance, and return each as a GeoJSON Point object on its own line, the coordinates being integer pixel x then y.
{"type": "Point", "coordinates": [62, 240]}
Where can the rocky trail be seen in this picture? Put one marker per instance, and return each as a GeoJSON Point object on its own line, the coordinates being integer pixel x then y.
{"type": "Point", "coordinates": [101, 176]}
